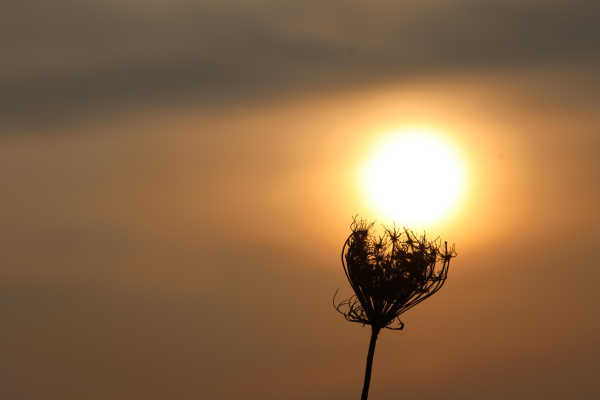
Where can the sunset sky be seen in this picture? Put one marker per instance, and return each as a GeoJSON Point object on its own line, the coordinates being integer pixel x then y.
{"type": "Point", "coordinates": [178, 179]}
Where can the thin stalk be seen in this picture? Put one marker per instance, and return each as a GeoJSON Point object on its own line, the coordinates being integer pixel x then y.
{"type": "Point", "coordinates": [374, 333]}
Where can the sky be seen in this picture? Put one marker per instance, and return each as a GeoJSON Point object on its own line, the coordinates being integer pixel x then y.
{"type": "Point", "coordinates": [178, 179]}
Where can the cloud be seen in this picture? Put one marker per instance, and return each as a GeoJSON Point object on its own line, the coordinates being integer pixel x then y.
{"type": "Point", "coordinates": [68, 60]}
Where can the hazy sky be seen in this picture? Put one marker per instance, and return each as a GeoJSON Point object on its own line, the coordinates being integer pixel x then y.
{"type": "Point", "coordinates": [178, 179]}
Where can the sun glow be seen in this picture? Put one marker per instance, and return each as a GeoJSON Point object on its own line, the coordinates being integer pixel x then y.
{"type": "Point", "coordinates": [414, 176]}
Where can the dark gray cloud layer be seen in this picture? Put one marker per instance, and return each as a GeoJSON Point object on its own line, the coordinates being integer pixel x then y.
{"type": "Point", "coordinates": [67, 60]}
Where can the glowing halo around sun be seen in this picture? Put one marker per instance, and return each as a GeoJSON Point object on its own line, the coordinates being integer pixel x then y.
{"type": "Point", "coordinates": [414, 176]}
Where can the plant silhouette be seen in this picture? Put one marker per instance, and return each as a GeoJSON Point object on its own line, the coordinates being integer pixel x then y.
{"type": "Point", "coordinates": [389, 274]}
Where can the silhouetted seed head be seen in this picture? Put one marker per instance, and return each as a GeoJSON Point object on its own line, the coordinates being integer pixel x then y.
{"type": "Point", "coordinates": [391, 273]}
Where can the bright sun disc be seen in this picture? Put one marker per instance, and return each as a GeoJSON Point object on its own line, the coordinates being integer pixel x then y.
{"type": "Point", "coordinates": [414, 176]}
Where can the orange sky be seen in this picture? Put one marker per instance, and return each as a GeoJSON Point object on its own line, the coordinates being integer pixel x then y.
{"type": "Point", "coordinates": [177, 238]}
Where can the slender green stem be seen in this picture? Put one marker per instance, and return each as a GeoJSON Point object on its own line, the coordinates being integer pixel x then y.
{"type": "Point", "coordinates": [374, 333]}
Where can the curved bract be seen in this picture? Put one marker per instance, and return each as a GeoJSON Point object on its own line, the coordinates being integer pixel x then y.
{"type": "Point", "coordinates": [390, 273]}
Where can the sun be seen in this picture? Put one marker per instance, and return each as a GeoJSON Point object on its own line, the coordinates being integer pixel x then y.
{"type": "Point", "coordinates": [414, 176]}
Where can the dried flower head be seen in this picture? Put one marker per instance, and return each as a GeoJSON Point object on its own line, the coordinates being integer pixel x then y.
{"type": "Point", "coordinates": [390, 273]}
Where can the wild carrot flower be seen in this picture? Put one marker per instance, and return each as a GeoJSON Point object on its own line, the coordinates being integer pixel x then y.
{"type": "Point", "coordinates": [389, 274]}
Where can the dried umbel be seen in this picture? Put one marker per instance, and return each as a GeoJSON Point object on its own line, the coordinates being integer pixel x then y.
{"type": "Point", "coordinates": [389, 274]}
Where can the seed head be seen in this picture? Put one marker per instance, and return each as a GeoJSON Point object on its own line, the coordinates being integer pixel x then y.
{"type": "Point", "coordinates": [391, 273]}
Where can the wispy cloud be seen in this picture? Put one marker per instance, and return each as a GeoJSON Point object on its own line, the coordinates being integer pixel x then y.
{"type": "Point", "coordinates": [67, 60]}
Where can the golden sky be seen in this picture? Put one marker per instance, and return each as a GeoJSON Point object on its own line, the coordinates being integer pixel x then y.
{"type": "Point", "coordinates": [178, 179]}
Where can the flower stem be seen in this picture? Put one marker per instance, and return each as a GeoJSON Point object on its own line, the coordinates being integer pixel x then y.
{"type": "Point", "coordinates": [374, 333]}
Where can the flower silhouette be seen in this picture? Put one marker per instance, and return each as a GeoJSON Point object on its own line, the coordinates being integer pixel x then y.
{"type": "Point", "coordinates": [389, 274]}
